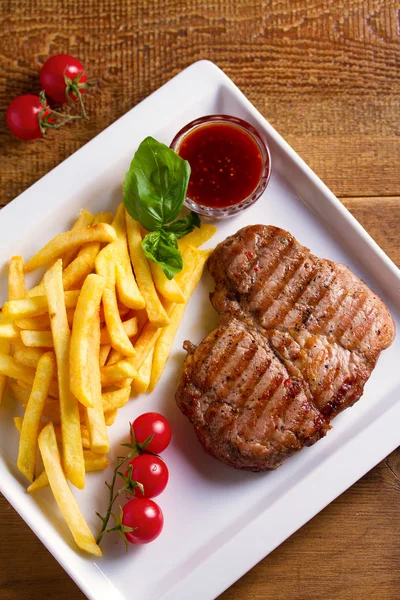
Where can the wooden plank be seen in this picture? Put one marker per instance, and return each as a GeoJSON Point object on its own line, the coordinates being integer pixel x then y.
{"type": "Point", "coordinates": [325, 74]}
{"type": "Point", "coordinates": [381, 218]}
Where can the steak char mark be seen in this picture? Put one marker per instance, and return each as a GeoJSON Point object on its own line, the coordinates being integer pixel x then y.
{"type": "Point", "coordinates": [298, 339]}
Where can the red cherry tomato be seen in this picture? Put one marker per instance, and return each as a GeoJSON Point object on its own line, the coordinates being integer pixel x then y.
{"type": "Point", "coordinates": [52, 77]}
{"type": "Point", "coordinates": [151, 472]}
{"type": "Point", "coordinates": [146, 517]}
{"type": "Point", "coordinates": [22, 117]}
{"type": "Point", "coordinates": [152, 423]}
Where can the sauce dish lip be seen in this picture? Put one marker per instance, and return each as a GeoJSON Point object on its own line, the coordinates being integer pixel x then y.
{"type": "Point", "coordinates": [257, 137]}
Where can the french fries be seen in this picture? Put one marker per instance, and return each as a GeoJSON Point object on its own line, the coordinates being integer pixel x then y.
{"type": "Point", "coordinates": [101, 321]}
{"type": "Point", "coordinates": [130, 327]}
{"type": "Point", "coordinates": [62, 493]}
{"type": "Point", "coordinates": [64, 242]}
{"type": "Point", "coordinates": [142, 380]}
{"type": "Point", "coordinates": [37, 339]}
{"type": "Point", "coordinates": [83, 265]}
{"type": "Point", "coordinates": [70, 420]}
{"type": "Point", "coordinates": [167, 288]}
{"type": "Point", "coordinates": [30, 426]}
{"type": "Point", "coordinates": [128, 291]}
{"type": "Point", "coordinates": [85, 219]}
{"type": "Point", "coordinates": [104, 352]}
{"type": "Point", "coordinates": [16, 278]}
{"type": "Point", "coordinates": [111, 374]}
{"type": "Point", "coordinates": [8, 331]}
{"type": "Point", "coordinates": [197, 237]}
{"type": "Point", "coordinates": [28, 356]}
{"type": "Point", "coordinates": [94, 415]}
{"type": "Point", "coordinates": [14, 310]}
{"type": "Point", "coordinates": [4, 349]}
{"type": "Point", "coordinates": [155, 310]}
{"type": "Point", "coordinates": [115, 399]}
{"type": "Point", "coordinates": [93, 462]}
{"type": "Point", "coordinates": [166, 338]}
{"type": "Point", "coordinates": [81, 347]}
{"type": "Point", "coordinates": [118, 336]}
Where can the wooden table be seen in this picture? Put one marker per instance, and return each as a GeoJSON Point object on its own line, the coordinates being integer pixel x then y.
{"type": "Point", "coordinates": [325, 73]}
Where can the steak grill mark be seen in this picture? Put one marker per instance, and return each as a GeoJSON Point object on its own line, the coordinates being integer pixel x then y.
{"type": "Point", "coordinates": [299, 337]}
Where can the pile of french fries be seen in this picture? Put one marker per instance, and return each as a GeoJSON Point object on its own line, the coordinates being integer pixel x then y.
{"type": "Point", "coordinates": [100, 323]}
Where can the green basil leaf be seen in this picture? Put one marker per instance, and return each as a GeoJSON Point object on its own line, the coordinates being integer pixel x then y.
{"type": "Point", "coordinates": [184, 226]}
{"type": "Point", "coordinates": [156, 184]}
{"type": "Point", "coordinates": [161, 247]}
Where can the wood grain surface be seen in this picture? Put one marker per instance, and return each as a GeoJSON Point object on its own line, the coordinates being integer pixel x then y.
{"type": "Point", "coordinates": [325, 73]}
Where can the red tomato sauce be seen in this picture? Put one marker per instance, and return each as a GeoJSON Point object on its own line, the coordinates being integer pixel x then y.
{"type": "Point", "coordinates": [226, 164]}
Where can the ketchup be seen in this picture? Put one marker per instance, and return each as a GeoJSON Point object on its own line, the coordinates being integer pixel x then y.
{"type": "Point", "coordinates": [226, 164]}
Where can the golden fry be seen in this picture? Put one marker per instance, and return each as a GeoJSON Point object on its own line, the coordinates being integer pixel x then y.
{"type": "Point", "coordinates": [150, 334]}
{"type": "Point", "coordinates": [128, 291]}
{"type": "Point", "coordinates": [57, 430]}
{"type": "Point", "coordinates": [37, 339]}
{"type": "Point", "coordinates": [62, 493]}
{"type": "Point", "coordinates": [124, 383]}
{"type": "Point", "coordinates": [18, 423]}
{"type": "Point", "coordinates": [81, 347]}
{"type": "Point", "coordinates": [130, 327]}
{"type": "Point", "coordinates": [95, 416]}
{"type": "Point", "coordinates": [142, 380]}
{"type": "Point", "coordinates": [197, 237]}
{"type": "Point", "coordinates": [189, 258]}
{"type": "Point", "coordinates": [84, 263]}
{"type": "Point", "coordinates": [38, 290]}
{"type": "Point", "coordinates": [4, 349]}
{"type": "Point", "coordinates": [16, 279]}
{"type": "Point", "coordinates": [104, 352]}
{"type": "Point", "coordinates": [85, 219]}
{"type": "Point", "coordinates": [69, 240]}
{"type": "Point", "coordinates": [10, 368]}
{"type": "Point", "coordinates": [143, 345]}
{"type": "Point", "coordinates": [114, 357]}
{"type": "Point", "coordinates": [167, 288]}
{"type": "Point", "coordinates": [28, 356]}
{"type": "Point", "coordinates": [110, 374]}
{"type": "Point", "coordinates": [166, 339]}
{"type": "Point", "coordinates": [35, 306]}
{"type": "Point", "coordinates": [119, 339]}
{"type": "Point", "coordinates": [20, 393]}
{"type": "Point", "coordinates": [39, 323]}
{"type": "Point", "coordinates": [70, 419]}
{"type": "Point", "coordinates": [153, 306]}
{"type": "Point", "coordinates": [105, 265]}
{"type": "Point", "coordinates": [115, 399]}
{"type": "Point", "coordinates": [127, 288]}
{"type": "Point", "coordinates": [110, 417]}
{"type": "Point", "coordinates": [93, 462]}
{"type": "Point", "coordinates": [8, 331]}
{"type": "Point", "coordinates": [30, 426]}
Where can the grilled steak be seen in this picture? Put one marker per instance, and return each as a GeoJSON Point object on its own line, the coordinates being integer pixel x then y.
{"type": "Point", "coordinates": [299, 338]}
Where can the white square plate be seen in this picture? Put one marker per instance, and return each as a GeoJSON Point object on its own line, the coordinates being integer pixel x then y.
{"type": "Point", "coordinates": [219, 522]}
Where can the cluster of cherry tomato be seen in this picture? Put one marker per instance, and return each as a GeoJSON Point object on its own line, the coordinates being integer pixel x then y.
{"type": "Point", "coordinates": [63, 80]}
{"type": "Point", "coordinates": [141, 514]}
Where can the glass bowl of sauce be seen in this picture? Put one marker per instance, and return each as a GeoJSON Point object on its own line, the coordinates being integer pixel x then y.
{"type": "Point", "coordinates": [230, 164]}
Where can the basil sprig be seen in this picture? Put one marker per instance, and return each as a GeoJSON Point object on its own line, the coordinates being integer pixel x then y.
{"type": "Point", "coordinates": [154, 191]}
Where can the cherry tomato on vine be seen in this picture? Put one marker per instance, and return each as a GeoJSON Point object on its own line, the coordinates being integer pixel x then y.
{"type": "Point", "coordinates": [24, 115]}
{"type": "Point", "coordinates": [146, 517]}
{"type": "Point", "coordinates": [156, 424]}
{"type": "Point", "coordinates": [63, 77]}
{"type": "Point", "coordinates": [151, 472]}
